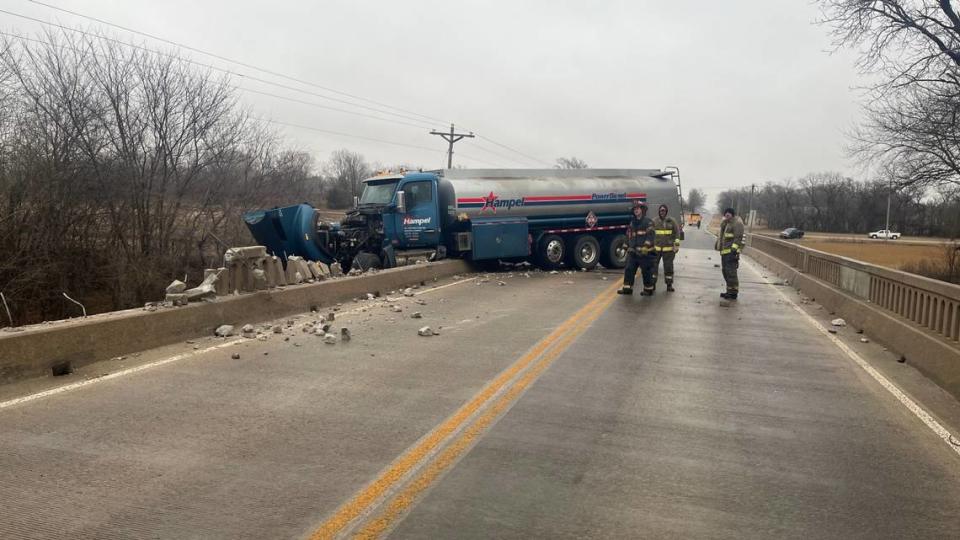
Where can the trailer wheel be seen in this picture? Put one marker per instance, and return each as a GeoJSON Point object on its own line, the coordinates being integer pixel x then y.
{"type": "Point", "coordinates": [584, 252]}
{"type": "Point", "coordinates": [550, 252]}
{"type": "Point", "coordinates": [613, 251]}
{"type": "Point", "coordinates": [365, 261]}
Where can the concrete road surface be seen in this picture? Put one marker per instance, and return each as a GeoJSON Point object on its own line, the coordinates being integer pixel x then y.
{"type": "Point", "coordinates": [547, 407]}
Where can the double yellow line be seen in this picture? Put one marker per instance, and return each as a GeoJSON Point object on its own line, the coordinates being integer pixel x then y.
{"type": "Point", "coordinates": [540, 357]}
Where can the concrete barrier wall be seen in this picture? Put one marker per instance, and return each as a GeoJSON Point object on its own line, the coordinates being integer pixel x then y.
{"type": "Point", "coordinates": [36, 350]}
{"type": "Point", "coordinates": [912, 315]}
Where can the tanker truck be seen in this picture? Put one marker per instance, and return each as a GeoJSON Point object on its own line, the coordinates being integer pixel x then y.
{"type": "Point", "coordinates": [551, 217]}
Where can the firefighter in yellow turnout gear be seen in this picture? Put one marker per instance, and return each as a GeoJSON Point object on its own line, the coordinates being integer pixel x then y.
{"type": "Point", "coordinates": [666, 245]}
{"type": "Point", "coordinates": [730, 243]}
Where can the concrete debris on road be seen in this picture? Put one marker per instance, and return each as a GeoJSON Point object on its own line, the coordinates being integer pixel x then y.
{"type": "Point", "coordinates": [262, 337]}
{"type": "Point", "coordinates": [832, 330]}
{"type": "Point", "coordinates": [176, 287]}
{"type": "Point", "coordinates": [277, 329]}
{"type": "Point", "coordinates": [408, 292]}
{"type": "Point", "coordinates": [224, 330]}
{"type": "Point", "coordinates": [248, 331]}
{"type": "Point", "coordinates": [371, 296]}
{"type": "Point", "coordinates": [426, 331]}
{"type": "Point", "coordinates": [330, 339]}
{"type": "Point", "coordinates": [235, 356]}
{"type": "Point", "coordinates": [501, 283]}
{"type": "Point", "coordinates": [150, 306]}
{"type": "Point", "coordinates": [416, 315]}
{"type": "Point", "coordinates": [345, 334]}
{"type": "Point", "coordinates": [864, 340]}
{"type": "Point", "coordinates": [420, 302]}
{"type": "Point", "coordinates": [838, 322]}
{"type": "Point", "coordinates": [395, 308]}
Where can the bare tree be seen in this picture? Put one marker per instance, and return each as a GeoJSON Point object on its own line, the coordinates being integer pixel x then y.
{"type": "Point", "coordinates": [912, 47]}
{"type": "Point", "coordinates": [571, 162]}
{"type": "Point", "coordinates": [696, 200]}
{"type": "Point", "coordinates": [345, 170]}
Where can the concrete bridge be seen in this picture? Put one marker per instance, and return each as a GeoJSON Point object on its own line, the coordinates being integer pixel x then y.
{"type": "Point", "coordinates": [545, 406]}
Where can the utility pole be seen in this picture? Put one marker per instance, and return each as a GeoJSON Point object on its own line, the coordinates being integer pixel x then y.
{"type": "Point", "coordinates": [750, 210]}
{"type": "Point", "coordinates": [451, 138]}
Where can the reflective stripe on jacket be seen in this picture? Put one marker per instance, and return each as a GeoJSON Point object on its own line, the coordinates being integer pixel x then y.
{"type": "Point", "coordinates": [667, 234]}
{"type": "Point", "coordinates": [731, 236]}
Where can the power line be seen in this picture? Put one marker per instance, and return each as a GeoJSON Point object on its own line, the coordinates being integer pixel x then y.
{"type": "Point", "coordinates": [257, 79]}
{"type": "Point", "coordinates": [277, 122]}
{"type": "Point", "coordinates": [373, 139]}
{"type": "Point", "coordinates": [232, 61]}
{"type": "Point", "coordinates": [208, 66]}
{"type": "Point", "coordinates": [528, 156]}
{"type": "Point", "coordinates": [274, 73]}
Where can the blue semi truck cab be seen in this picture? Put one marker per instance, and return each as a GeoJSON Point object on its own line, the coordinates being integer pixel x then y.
{"type": "Point", "coordinates": [550, 216]}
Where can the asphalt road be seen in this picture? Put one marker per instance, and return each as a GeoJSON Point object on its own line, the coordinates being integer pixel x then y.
{"type": "Point", "coordinates": [547, 407]}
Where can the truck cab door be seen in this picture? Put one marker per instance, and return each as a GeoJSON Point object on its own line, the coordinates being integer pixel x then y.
{"type": "Point", "coordinates": [419, 225]}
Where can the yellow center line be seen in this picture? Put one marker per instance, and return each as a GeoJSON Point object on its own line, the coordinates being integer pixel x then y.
{"type": "Point", "coordinates": [406, 498]}
{"type": "Point", "coordinates": [409, 460]}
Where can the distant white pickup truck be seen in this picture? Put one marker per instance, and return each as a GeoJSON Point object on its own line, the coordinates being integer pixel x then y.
{"type": "Point", "coordinates": [885, 234]}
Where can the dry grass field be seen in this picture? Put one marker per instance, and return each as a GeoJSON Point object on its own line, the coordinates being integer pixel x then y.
{"type": "Point", "coordinates": [890, 254]}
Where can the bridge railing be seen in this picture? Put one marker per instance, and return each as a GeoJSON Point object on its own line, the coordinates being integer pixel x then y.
{"type": "Point", "coordinates": [930, 304]}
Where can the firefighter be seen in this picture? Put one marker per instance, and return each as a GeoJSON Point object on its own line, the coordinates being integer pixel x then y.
{"type": "Point", "coordinates": [730, 243]}
{"type": "Point", "coordinates": [640, 253]}
{"type": "Point", "coordinates": [666, 245]}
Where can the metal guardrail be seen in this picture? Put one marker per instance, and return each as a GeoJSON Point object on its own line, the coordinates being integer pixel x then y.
{"type": "Point", "coordinates": [930, 304]}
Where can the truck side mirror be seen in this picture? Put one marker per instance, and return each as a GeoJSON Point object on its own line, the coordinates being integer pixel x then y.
{"type": "Point", "coordinates": [401, 202]}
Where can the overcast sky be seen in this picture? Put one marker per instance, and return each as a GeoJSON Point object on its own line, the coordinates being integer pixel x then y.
{"type": "Point", "coordinates": [731, 92]}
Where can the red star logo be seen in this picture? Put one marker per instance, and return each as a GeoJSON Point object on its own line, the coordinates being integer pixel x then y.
{"type": "Point", "coordinates": [488, 203]}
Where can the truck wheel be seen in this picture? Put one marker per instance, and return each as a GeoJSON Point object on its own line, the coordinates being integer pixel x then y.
{"type": "Point", "coordinates": [366, 261]}
{"type": "Point", "coordinates": [550, 252]}
{"type": "Point", "coordinates": [613, 251]}
{"type": "Point", "coordinates": [584, 252]}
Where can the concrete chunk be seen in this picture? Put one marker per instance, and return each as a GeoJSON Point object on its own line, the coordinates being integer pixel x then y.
{"type": "Point", "coordinates": [176, 287]}
{"type": "Point", "coordinates": [224, 330]}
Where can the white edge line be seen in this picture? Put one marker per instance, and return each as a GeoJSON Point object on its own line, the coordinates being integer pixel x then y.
{"type": "Point", "coordinates": [903, 398]}
{"type": "Point", "coordinates": [158, 363]}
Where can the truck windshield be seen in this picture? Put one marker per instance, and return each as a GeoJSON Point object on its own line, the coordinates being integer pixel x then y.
{"type": "Point", "coordinates": [380, 193]}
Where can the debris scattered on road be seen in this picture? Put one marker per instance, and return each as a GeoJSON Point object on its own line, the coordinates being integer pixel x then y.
{"type": "Point", "coordinates": [864, 340]}
{"type": "Point", "coordinates": [553, 272]}
{"type": "Point", "coordinates": [262, 337]}
{"type": "Point", "coordinates": [716, 266]}
{"type": "Point", "coordinates": [838, 322]}
{"type": "Point", "coordinates": [371, 296]}
{"type": "Point", "coordinates": [408, 292]}
{"type": "Point", "coordinates": [330, 339]}
{"type": "Point", "coordinates": [277, 329]}
{"type": "Point", "coordinates": [420, 302]}
{"type": "Point", "coordinates": [248, 331]}
{"type": "Point", "coordinates": [331, 317]}
{"type": "Point", "coordinates": [224, 330]}
{"type": "Point", "coordinates": [832, 330]}
{"type": "Point", "coordinates": [426, 331]}
{"type": "Point", "coordinates": [416, 315]}
{"type": "Point", "coordinates": [501, 283]}
{"type": "Point", "coordinates": [235, 356]}
{"type": "Point", "coordinates": [395, 308]}
{"type": "Point", "coordinates": [345, 334]}
{"type": "Point", "coordinates": [150, 306]}
{"type": "Point", "coordinates": [902, 359]}
{"type": "Point", "coordinates": [177, 299]}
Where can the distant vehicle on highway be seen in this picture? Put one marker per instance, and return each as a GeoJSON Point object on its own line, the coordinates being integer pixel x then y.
{"type": "Point", "coordinates": [791, 232]}
{"type": "Point", "coordinates": [694, 220]}
{"type": "Point", "coordinates": [885, 234]}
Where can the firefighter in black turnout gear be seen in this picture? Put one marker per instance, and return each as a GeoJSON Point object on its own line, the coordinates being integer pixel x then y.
{"type": "Point", "coordinates": [666, 245]}
{"type": "Point", "coordinates": [640, 252]}
{"type": "Point", "coordinates": [730, 243]}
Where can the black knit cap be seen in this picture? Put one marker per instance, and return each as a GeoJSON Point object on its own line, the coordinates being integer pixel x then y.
{"type": "Point", "coordinates": [730, 211]}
